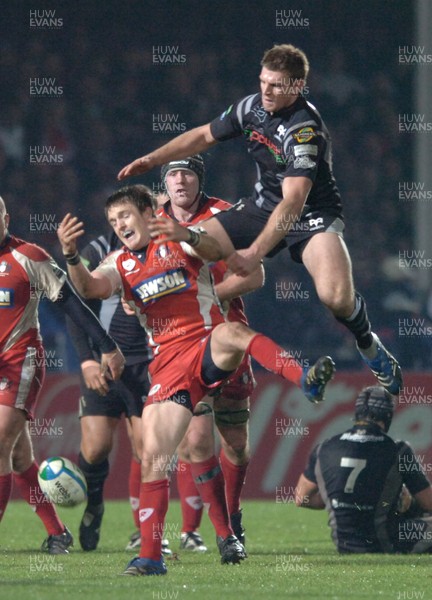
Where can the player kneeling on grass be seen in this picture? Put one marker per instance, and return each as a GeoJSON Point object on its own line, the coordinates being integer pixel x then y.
{"type": "Point", "coordinates": [373, 488]}
{"type": "Point", "coordinates": [163, 275]}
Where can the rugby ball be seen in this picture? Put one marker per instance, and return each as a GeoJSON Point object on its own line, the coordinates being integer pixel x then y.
{"type": "Point", "coordinates": [62, 482]}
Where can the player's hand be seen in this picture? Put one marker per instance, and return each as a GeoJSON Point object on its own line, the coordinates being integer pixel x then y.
{"type": "Point", "coordinates": [243, 262]}
{"type": "Point", "coordinates": [69, 230]}
{"type": "Point", "coordinates": [138, 166]}
{"type": "Point", "coordinates": [93, 378]}
{"type": "Point", "coordinates": [404, 501]}
{"type": "Point", "coordinates": [112, 364]}
{"type": "Point", "coordinates": [164, 230]}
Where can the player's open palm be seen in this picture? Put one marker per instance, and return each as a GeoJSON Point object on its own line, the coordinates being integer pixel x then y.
{"type": "Point", "coordinates": [69, 230]}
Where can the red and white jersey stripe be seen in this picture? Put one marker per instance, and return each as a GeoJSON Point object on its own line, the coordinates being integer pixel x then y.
{"type": "Point", "coordinates": [26, 273]}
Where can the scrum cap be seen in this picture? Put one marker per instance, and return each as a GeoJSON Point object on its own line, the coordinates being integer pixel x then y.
{"type": "Point", "coordinates": [191, 163]}
{"type": "Point", "coordinates": [375, 403]}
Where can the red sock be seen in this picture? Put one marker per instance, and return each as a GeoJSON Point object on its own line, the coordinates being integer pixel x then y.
{"type": "Point", "coordinates": [5, 492]}
{"type": "Point", "coordinates": [234, 480]}
{"type": "Point", "coordinates": [153, 508]}
{"type": "Point", "coordinates": [274, 358]}
{"type": "Point", "coordinates": [190, 500]}
{"type": "Point", "coordinates": [211, 485]}
{"type": "Point", "coordinates": [134, 489]}
{"type": "Point", "coordinates": [30, 491]}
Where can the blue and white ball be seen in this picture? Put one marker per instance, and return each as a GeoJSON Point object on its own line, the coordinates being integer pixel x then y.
{"type": "Point", "coordinates": [62, 482]}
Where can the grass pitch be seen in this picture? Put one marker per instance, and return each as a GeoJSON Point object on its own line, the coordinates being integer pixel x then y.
{"type": "Point", "coordinates": [290, 556]}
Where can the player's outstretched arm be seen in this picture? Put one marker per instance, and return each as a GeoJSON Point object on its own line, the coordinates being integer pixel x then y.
{"type": "Point", "coordinates": [112, 357]}
{"type": "Point", "coordinates": [234, 285]}
{"type": "Point", "coordinates": [202, 245]}
{"type": "Point", "coordinates": [89, 285]}
{"type": "Point", "coordinates": [191, 142]}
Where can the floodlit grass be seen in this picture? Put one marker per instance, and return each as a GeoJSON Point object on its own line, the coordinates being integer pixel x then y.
{"type": "Point", "coordinates": [290, 556]}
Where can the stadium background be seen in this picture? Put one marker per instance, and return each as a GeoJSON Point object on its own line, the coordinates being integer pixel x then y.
{"type": "Point", "coordinates": [88, 86]}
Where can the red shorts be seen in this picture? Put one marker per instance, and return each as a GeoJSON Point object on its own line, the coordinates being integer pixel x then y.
{"type": "Point", "coordinates": [241, 384]}
{"type": "Point", "coordinates": [171, 373]}
{"type": "Point", "coordinates": [21, 377]}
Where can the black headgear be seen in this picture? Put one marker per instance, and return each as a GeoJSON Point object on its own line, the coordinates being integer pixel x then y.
{"type": "Point", "coordinates": [191, 163]}
{"type": "Point", "coordinates": [375, 403]}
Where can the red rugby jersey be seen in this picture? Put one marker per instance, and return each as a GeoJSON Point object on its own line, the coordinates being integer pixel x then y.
{"type": "Point", "coordinates": [26, 272]}
{"type": "Point", "coordinates": [171, 292]}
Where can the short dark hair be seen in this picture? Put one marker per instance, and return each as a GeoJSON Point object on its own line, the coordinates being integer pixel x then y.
{"type": "Point", "coordinates": [286, 58]}
{"type": "Point", "coordinates": [139, 195]}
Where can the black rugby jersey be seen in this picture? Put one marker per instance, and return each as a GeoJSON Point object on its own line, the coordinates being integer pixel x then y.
{"type": "Point", "coordinates": [360, 474]}
{"type": "Point", "coordinates": [292, 142]}
{"type": "Point", "coordinates": [125, 329]}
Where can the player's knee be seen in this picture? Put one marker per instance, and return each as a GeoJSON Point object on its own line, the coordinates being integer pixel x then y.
{"type": "Point", "coordinates": [95, 454]}
{"type": "Point", "coordinates": [338, 299]}
{"type": "Point", "coordinates": [201, 446]}
{"type": "Point", "coordinates": [237, 449]}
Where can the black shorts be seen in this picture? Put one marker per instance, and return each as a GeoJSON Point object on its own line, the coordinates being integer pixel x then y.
{"type": "Point", "coordinates": [127, 395]}
{"type": "Point", "coordinates": [245, 221]}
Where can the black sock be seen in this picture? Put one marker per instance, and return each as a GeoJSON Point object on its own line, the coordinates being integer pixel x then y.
{"type": "Point", "coordinates": [358, 323]}
{"type": "Point", "coordinates": [95, 475]}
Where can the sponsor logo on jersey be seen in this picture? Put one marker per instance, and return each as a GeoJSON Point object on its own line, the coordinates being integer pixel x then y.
{"type": "Point", "coordinates": [5, 384]}
{"type": "Point", "coordinates": [128, 264]}
{"type": "Point", "coordinates": [304, 135]}
{"type": "Point", "coordinates": [5, 267]}
{"type": "Point", "coordinates": [256, 136]}
{"type": "Point", "coordinates": [6, 298]}
{"type": "Point", "coordinates": [260, 114]}
{"type": "Point", "coordinates": [281, 131]}
{"type": "Point", "coordinates": [304, 162]}
{"type": "Point", "coordinates": [170, 282]}
{"type": "Point", "coordinates": [162, 251]}
{"type": "Point", "coordinates": [306, 149]}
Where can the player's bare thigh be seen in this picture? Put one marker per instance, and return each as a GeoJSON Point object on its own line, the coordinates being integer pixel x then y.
{"type": "Point", "coordinates": [228, 344]}
{"type": "Point", "coordinates": [327, 259]}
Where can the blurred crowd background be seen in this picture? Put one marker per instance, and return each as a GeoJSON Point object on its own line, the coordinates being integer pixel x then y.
{"type": "Point", "coordinates": [115, 96]}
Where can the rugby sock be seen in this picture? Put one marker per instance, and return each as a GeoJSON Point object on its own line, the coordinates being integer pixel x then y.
{"type": "Point", "coordinates": [210, 482]}
{"type": "Point", "coordinates": [153, 508]}
{"type": "Point", "coordinates": [134, 489]}
{"type": "Point", "coordinates": [28, 485]}
{"type": "Point", "coordinates": [190, 500]}
{"type": "Point", "coordinates": [95, 475]}
{"type": "Point", "coordinates": [5, 492]}
{"type": "Point", "coordinates": [234, 480]}
{"type": "Point", "coordinates": [274, 358]}
{"type": "Point", "coordinates": [358, 323]}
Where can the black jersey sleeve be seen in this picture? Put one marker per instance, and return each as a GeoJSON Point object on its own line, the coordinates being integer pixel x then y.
{"type": "Point", "coordinates": [410, 469]}
{"type": "Point", "coordinates": [309, 471]}
{"type": "Point", "coordinates": [75, 308]}
{"type": "Point", "coordinates": [304, 149]}
{"type": "Point", "coordinates": [230, 123]}
{"type": "Point", "coordinates": [81, 341]}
